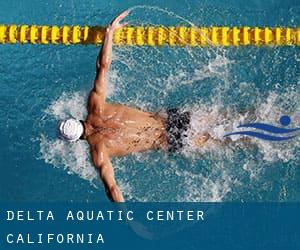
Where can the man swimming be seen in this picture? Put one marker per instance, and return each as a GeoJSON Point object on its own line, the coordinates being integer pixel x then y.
{"type": "Point", "coordinates": [117, 130]}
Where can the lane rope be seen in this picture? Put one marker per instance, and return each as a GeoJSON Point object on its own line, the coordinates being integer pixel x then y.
{"type": "Point", "coordinates": [152, 35]}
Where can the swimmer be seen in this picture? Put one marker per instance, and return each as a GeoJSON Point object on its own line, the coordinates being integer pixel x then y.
{"type": "Point", "coordinates": [114, 130]}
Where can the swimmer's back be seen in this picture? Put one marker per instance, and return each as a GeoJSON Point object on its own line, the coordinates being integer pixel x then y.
{"type": "Point", "coordinates": [126, 130]}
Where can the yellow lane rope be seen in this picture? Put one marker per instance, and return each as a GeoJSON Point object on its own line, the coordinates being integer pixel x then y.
{"type": "Point", "coordinates": [152, 35]}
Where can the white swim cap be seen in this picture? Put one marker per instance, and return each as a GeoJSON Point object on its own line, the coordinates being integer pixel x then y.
{"type": "Point", "coordinates": [70, 130]}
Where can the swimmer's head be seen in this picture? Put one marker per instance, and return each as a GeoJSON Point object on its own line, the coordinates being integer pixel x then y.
{"type": "Point", "coordinates": [70, 130]}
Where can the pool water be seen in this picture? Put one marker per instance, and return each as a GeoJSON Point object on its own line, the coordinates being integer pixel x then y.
{"type": "Point", "coordinates": [43, 84]}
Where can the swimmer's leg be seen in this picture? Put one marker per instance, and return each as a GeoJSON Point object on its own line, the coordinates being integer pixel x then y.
{"type": "Point", "coordinates": [200, 140]}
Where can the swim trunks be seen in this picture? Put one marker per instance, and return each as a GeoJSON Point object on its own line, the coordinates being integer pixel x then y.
{"type": "Point", "coordinates": [177, 125]}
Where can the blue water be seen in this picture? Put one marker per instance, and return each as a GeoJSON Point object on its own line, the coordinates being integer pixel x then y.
{"type": "Point", "coordinates": [42, 84]}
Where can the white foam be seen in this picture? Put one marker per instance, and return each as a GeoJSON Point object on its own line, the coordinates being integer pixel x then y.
{"type": "Point", "coordinates": [68, 105]}
{"type": "Point", "coordinates": [72, 157]}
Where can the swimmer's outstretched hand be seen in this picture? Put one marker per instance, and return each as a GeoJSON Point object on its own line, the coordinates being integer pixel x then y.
{"type": "Point", "coordinates": [115, 24]}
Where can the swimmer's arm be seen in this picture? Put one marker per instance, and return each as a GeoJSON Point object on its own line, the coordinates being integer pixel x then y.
{"type": "Point", "coordinates": [105, 56]}
{"type": "Point", "coordinates": [103, 164]}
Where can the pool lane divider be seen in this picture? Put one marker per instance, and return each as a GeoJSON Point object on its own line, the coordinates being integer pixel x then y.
{"type": "Point", "coordinates": [152, 35]}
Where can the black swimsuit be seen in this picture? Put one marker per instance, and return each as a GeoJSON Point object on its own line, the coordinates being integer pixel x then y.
{"type": "Point", "coordinates": [177, 124]}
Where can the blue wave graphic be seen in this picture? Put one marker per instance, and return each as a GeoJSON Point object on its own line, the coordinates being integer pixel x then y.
{"type": "Point", "coordinates": [262, 136]}
{"type": "Point", "coordinates": [284, 121]}
{"type": "Point", "coordinates": [269, 128]}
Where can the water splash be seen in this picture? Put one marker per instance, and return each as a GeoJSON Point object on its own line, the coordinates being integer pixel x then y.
{"type": "Point", "coordinates": [213, 185]}
{"type": "Point", "coordinates": [74, 158]}
{"type": "Point", "coordinates": [212, 84]}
